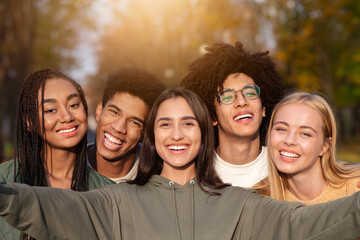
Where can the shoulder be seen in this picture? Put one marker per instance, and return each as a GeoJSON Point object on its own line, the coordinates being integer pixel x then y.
{"type": "Point", "coordinates": [97, 180]}
{"type": "Point", "coordinates": [263, 154]}
{"type": "Point", "coordinates": [230, 193]}
{"type": "Point", "coordinates": [7, 171]}
{"type": "Point", "coordinates": [352, 185]}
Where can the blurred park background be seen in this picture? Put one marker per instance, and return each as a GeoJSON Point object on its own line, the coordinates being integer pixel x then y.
{"type": "Point", "coordinates": [315, 43]}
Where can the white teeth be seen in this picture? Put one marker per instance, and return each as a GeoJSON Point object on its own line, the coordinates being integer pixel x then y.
{"type": "Point", "coordinates": [67, 130]}
{"type": "Point", "coordinates": [112, 139]}
{"type": "Point", "coordinates": [243, 116]}
{"type": "Point", "coordinates": [289, 155]}
{"type": "Point", "coordinates": [177, 148]}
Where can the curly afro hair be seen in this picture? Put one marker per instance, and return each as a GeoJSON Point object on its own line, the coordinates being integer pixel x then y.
{"type": "Point", "coordinates": [208, 73]}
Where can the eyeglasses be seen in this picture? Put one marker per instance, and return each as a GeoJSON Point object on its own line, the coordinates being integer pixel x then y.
{"type": "Point", "coordinates": [228, 96]}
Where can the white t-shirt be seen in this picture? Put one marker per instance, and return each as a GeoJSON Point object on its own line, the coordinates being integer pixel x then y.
{"type": "Point", "coordinates": [131, 175]}
{"type": "Point", "coordinates": [243, 175]}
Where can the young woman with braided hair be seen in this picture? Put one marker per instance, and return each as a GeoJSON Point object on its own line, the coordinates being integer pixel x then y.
{"type": "Point", "coordinates": [51, 128]}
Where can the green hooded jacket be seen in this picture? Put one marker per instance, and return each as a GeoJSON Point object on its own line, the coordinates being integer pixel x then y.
{"type": "Point", "coordinates": [162, 209]}
{"type": "Point", "coordinates": [7, 232]}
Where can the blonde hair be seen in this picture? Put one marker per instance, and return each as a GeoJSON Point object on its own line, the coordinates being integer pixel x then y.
{"type": "Point", "coordinates": [335, 172]}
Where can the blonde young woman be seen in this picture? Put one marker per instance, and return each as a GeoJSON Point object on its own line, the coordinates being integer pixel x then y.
{"type": "Point", "coordinates": [301, 148]}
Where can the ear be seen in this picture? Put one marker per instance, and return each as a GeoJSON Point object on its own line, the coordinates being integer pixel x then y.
{"type": "Point", "coordinates": [215, 122]}
{"type": "Point", "coordinates": [99, 109]}
{"type": "Point", "coordinates": [325, 147]}
{"type": "Point", "coordinates": [264, 112]}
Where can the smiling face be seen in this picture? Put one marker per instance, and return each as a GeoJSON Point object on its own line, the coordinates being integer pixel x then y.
{"type": "Point", "coordinates": [65, 119]}
{"type": "Point", "coordinates": [297, 139]}
{"type": "Point", "coordinates": [243, 117]}
{"type": "Point", "coordinates": [120, 125]}
{"type": "Point", "coordinates": [177, 135]}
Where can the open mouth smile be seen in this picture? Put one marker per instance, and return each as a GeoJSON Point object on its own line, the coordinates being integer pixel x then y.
{"type": "Point", "coordinates": [289, 155]}
{"type": "Point", "coordinates": [243, 117]}
{"type": "Point", "coordinates": [177, 147]}
{"type": "Point", "coordinates": [111, 141]}
{"type": "Point", "coordinates": [68, 132]}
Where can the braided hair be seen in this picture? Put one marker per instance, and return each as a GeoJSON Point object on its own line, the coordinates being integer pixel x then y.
{"type": "Point", "coordinates": [207, 74]}
{"type": "Point", "coordinates": [30, 148]}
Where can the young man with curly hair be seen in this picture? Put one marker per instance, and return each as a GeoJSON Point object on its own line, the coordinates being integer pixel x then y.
{"type": "Point", "coordinates": [120, 116]}
{"type": "Point", "coordinates": [240, 90]}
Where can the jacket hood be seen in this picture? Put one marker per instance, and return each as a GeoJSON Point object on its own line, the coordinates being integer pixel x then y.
{"type": "Point", "coordinates": [158, 180]}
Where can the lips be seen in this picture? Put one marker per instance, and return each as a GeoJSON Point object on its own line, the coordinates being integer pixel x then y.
{"type": "Point", "coordinates": [289, 155]}
{"type": "Point", "coordinates": [69, 131]}
{"type": "Point", "coordinates": [177, 147]}
{"type": "Point", "coordinates": [112, 142]}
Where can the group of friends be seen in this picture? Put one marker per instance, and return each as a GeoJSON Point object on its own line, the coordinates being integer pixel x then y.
{"type": "Point", "coordinates": [212, 159]}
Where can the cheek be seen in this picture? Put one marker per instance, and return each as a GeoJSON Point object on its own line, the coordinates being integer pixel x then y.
{"type": "Point", "coordinates": [48, 122]}
{"type": "Point", "coordinates": [158, 147]}
{"type": "Point", "coordinates": [221, 110]}
{"type": "Point", "coordinates": [135, 134]}
{"type": "Point", "coordinates": [308, 146]}
{"type": "Point", "coordinates": [275, 139]}
{"type": "Point", "coordinates": [82, 115]}
{"type": "Point", "coordinates": [312, 148]}
{"type": "Point", "coordinates": [196, 136]}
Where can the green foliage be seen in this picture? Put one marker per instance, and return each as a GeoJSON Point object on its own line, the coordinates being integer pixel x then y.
{"type": "Point", "coordinates": [319, 44]}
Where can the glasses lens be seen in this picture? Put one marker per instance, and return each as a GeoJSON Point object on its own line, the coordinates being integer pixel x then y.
{"type": "Point", "coordinates": [251, 91]}
{"type": "Point", "coordinates": [227, 96]}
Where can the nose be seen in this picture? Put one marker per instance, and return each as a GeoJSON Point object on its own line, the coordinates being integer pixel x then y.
{"type": "Point", "coordinates": [240, 100]}
{"type": "Point", "coordinates": [120, 125]}
{"type": "Point", "coordinates": [290, 139]}
{"type": "Point", "coordinates": [66, 115]}
{"type": "Point", "coordinates": [177, 133]}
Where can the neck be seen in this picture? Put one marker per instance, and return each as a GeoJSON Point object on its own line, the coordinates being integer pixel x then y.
{"type": "Point", "coordinates": [110, 169]}
{"type": "Point", "coordinates": [59, 167]}
{"type": "Point", "coordinates": [308, 184]}
{"type": "Point", "coordinates": [238, 150]}
{"type": "Point", "coordinates": [179, 175]}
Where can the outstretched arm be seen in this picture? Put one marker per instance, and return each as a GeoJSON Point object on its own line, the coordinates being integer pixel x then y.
{"type": "Point", "coordinates": [271, 219]}
{"type": "Point", "coordinates": [50, 213]}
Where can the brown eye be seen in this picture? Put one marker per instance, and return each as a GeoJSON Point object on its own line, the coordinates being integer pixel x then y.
{"type": "Point", "coordinates": [52, 110]}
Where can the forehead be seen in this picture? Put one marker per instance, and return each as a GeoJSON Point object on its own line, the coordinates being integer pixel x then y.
{"type": "Point", "coordinates": [174, 108]}
{"type": "Point", "coordinates": [57, 87]}
{"type": "Point", "coordinates": [128, 103]}
{"type": "Point", "coordinates": [299, 114]}
{"type": "Point", "coordinates": [237, 81]}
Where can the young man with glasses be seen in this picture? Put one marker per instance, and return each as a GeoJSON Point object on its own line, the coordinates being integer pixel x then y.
{"type": "Point", "coordinates": [240, 90]}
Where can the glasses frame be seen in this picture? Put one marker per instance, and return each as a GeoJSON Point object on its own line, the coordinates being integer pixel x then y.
{"type": "Point", "coordinates": [254, 86]}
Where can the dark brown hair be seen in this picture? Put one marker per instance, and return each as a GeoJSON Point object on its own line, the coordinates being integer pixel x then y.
{"type": "Point", "coordinates": [134, 81]}
{"type": "Point", "coordinates": [149, 161]}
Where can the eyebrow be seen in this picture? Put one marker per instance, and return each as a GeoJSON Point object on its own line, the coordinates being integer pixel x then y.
{"type": "Point", "coordinates": [119, 110]}
{"type": "Point", "coordinates": [285, 123]}
{"type": "Point", "coordinates": [183, 118]}
{"type": "Point", "coordinates": [52, 100]}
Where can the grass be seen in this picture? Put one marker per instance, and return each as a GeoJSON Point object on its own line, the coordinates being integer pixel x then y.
{"type": "Point", "coordinates": [349, 152]}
